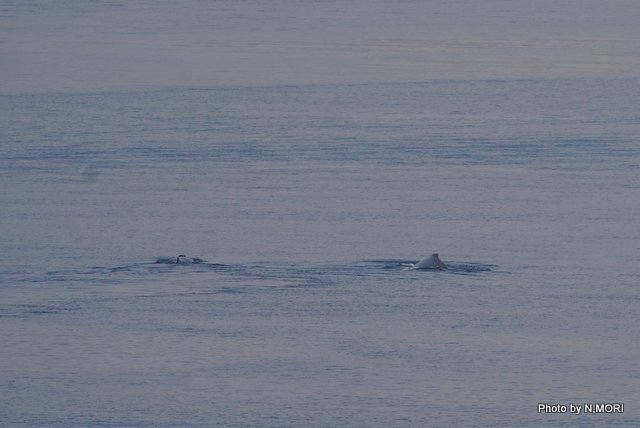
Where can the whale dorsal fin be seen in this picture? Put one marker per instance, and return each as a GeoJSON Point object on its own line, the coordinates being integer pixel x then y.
{"type": "Point", "coordinates": [431, 262]}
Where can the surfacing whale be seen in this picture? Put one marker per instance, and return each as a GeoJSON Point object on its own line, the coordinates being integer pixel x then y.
{"type": "Point", "coordinates": [180, 260]}
{"type": "Point", "coordinates": [183, 260]}
{"type": "Point", "coordinates": [431, 262]}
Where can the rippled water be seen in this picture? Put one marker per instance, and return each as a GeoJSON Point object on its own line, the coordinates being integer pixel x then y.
{"type": "Point", "coordinates": [305, 202]}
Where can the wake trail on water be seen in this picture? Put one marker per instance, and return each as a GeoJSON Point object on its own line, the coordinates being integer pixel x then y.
{"type": "Point", "coordinates": [273, 273]}
{"type": "Point", "coordinates": [452, 267]}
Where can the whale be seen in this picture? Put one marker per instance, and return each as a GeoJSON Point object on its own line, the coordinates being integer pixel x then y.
{"type": "Point", "coordinates": [179, 260]}
{"type": "Point", "coordinates": [183, 260]}
{"type": "Point", "coordinates": [431, 262]}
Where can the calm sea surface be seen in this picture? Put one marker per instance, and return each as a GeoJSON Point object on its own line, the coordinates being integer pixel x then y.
{"type": "Point", "coordinates": [305, 201]}
{"type": "Point", "coordinates": [309, 151]}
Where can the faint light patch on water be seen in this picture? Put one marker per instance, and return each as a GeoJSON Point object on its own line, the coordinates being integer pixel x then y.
{"type": "Point", "coordinates": [90, 174]}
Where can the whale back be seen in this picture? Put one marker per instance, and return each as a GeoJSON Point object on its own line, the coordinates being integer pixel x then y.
{"type": "Point", "coordinates": [183, 260]}
{"type": "Point", "coordinates": [431, 262]}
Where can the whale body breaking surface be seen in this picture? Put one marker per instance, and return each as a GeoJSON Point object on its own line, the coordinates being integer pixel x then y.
{"type": "Point", "coordinates": [431, 262]}
{"type": "Point", "coordinates": [179, 260]}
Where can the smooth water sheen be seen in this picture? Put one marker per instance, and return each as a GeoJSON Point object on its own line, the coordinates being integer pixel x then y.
{"type": "Point", "coordinates": [304, 155]}
{"type": "Point", "coordinates": [306, 201]}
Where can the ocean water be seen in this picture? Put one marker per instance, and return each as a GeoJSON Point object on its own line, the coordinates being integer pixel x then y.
{"type": "Point", "coordinates": [308, 152]}
{"type": "Point", "coordinates": [306, 201]}
{"type": "Point", "coordinates": [72, 45]}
